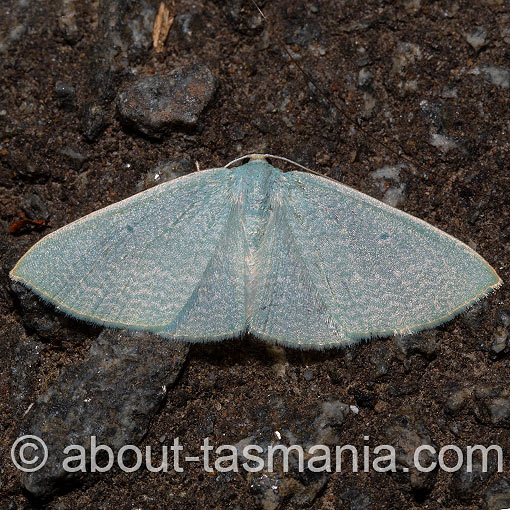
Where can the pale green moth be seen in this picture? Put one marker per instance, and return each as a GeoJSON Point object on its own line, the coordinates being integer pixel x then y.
{"type": "Point", "coordinates": [290, 257]}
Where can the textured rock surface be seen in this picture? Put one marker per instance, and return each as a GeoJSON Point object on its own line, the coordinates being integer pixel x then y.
{"type": "Point", "coordinates": [155, 104]}
{"type": "Point", "coordinates": [498, 495]}
{"type": "Point", "coordinates": [37, 318]}
{"type": "Point", "coordinates": [467, 482]}
{"type": "Point", "coordinates": [113, 395]}
{"type": "Point", "coordinates": [493, 405]}
{"type": "Point", "coordinates": [406, 434]}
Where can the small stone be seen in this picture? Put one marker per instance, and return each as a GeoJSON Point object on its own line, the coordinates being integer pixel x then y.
{"type": "Point", "coordinates": [466, 484]}
{"type": "Point", "coordinates": [328, 422]}
{"type": "Point", "coordinates": [493, 406]}
{"type": "Point", "coordinates": [503, 317]}
{"type": "Point", "coordinates": [494, 75]}
{"type": "Point", "coordinates": [272, 489]}
{"type": "Point", "coordinates": [156, 104]}
{"type": "Point", "coordinates": [309, 485]}
{"type": "Point", "coordinates": [454, 427]}
{"type": "Point", "coordinates": [363, 61]}
{"type": "Point", "coordinates": [406, 55]}
{"type": "Point", "coordinates": [34, 206]}
{"type": "Point", "coordinates": [308, 375]}
{"type": "Point", "coordinates": [165, 171]}
{"type": "Point", "coordinates": [65, 94]}
{"type": "Point", "coordinates": [266, 489]}
{"type": "Point", "coordinates": [433, 113]}
{"type": "Point", "coordinates": [381, 359]}
{"type": "Point", "coordinates": [501, 336]}
{"type": "Point", "coordinates": [77, 159]}
{"type": "Point", "coordinates": [500, 412]}
{"type": "Point", "coordinates": [187, 25]}
{"type": "Point", "coordinates": [67, 22]}
{"type": "Point", "coordinates": [26, 361]}
{"type": "Point", "coordinates": [242, 17]}
{"type": "Point", "coordinates": [356, 499]}
{"type": "Point", "coordinates": [477, 38]}
{"type": "Point", "coordinates": [17, 33]}
{"type": "Point", "coordinates": [381, 407]}
{"type": "Point", "coordinates": [369, 104]}
{"type": "Point", "coordinates": [36, 316]}
{"type": "Point", "coordinates": [140, 28]}
{"type": "Point", "coordinates": [406, 434]}
{"type": "Point", "coordinates": [499, 343]}
{"type": "Point", "coordinates": [262, 124]}
{"type": "Point", "coordinates": [390, 184]}
{"type": "Point", "coordinates": [94, 121]}
{"type": "Point", "coordinates": [474, 317]}
{"type": "Point", "coordinates": [301, 30]}
{"type": "Point", "coordinates": [449, 93]}
{"type": "Point", "coordinates": [423, 344]}
{"type": "Point", "coordinates": [365, 79]}
{"type": "Point", "coordinates": [412, 6]}
{"type": "Point", "coordinates": [298, 488]}
{"type": "Point", "coordinates": [505, 34]}
{"type": "Point", "coordinates": [443, 143]}
{"type": "Point", "coordinates": [458, 399]}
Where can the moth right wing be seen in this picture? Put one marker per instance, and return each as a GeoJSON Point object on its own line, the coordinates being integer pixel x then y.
{"type": "Point", "coordinates": [338, 265]}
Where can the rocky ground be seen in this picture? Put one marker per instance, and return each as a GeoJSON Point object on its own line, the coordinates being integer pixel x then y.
{"type": "Point", "coordinates": [81, 127]}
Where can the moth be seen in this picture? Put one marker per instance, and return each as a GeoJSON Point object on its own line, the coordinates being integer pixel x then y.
{"type": "Point", "coordinates": [290, 257]}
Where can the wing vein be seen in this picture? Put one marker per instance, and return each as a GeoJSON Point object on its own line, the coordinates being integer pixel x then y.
{"type": "Point", "coordinates": [333, 319]}
{"type": "Point", "coordinates": [194, 295]}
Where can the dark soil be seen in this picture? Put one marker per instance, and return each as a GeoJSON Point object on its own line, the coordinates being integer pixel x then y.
{"type": "Point", "coordinates": [239, 388]}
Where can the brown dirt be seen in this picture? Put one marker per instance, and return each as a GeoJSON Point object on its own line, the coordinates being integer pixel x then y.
{"type": "Point", "coordinates": [264, 105]}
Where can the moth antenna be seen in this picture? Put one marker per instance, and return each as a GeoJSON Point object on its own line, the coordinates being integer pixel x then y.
{"type": "Point", "coordinates": [272, 156]}
{"type": "Point", "coordinates": [264, 156]}
{"type": "Point", "coordinates": [401, 154]}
